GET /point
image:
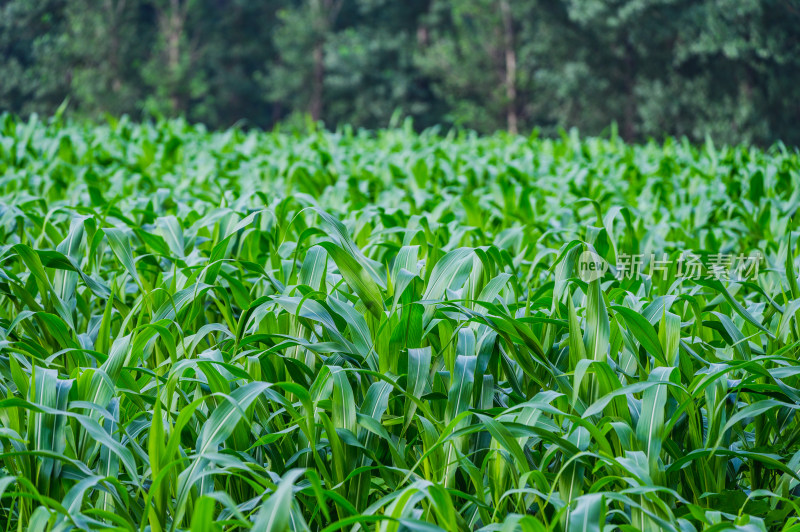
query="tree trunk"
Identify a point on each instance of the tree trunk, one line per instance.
(323, 16)
(115, 13)
(174, 51)
(510, 67)
(629, 125)
(318, 79)
(172, 25)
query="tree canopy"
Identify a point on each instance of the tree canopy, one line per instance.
(728, 69)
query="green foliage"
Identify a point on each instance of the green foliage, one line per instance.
(31, 68)
(241, 330)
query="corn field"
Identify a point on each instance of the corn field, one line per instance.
(394, 331)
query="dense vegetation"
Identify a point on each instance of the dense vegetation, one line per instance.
(391, 330)
(725, 68)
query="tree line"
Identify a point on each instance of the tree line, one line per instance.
(729, 69)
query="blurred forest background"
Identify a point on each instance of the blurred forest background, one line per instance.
(725, 68)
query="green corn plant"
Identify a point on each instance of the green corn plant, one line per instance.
(391, 331)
